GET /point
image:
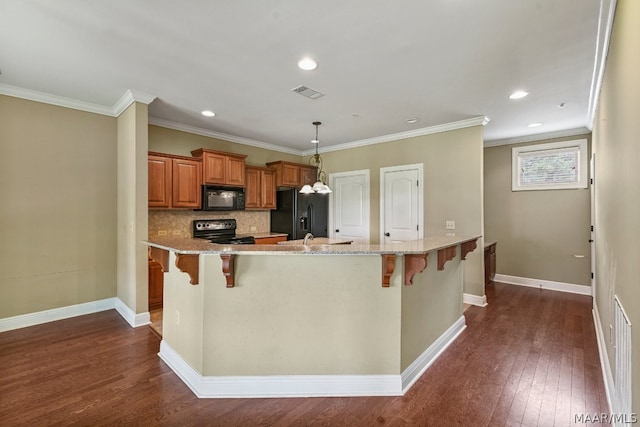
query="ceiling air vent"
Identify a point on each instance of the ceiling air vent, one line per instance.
(308, 92)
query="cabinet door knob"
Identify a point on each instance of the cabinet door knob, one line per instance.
(337, 230)
(387, 234)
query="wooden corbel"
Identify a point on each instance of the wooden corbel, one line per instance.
(446, 254)
(228, 268)
(189, 263)
(388, 263)
(161, 256)
(413, 264)
(467, 247)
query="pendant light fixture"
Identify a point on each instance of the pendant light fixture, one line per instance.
(320, 185)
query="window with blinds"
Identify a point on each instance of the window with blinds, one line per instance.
(550, 166)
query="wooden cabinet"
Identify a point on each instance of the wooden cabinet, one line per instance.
(186, 183)
(261, 188)
(271, 240)
(308, 175)
(160, 172)
(294, 175)
(156, 283)
(174, 181)
(221, 168)
(489, 261)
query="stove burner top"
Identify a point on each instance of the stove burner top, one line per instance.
(220, 231)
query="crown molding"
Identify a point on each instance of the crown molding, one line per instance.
(461, 124)
(537, 137)
(607, 12)
(129, 97)
(219, 135)
(60, 101)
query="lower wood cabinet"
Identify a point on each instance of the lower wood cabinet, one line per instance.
(156, 283)
(271, 240)
(489, 262)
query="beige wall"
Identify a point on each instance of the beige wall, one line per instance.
(452, 187)
(617, 197)
(538, 232)
(58, 216)
(164, 140)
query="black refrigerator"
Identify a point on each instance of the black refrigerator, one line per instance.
(298, 214)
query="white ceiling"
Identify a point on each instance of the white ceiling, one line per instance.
(379, 63)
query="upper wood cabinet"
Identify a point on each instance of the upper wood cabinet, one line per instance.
(160, 174)
(187, 180)
(261, 188)
(290, 174)
(174, 181)
(221, 168)
(308, 175)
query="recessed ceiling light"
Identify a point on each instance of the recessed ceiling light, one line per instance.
(412, 120)
(208, 113)
(535, 125)
(307, 64)
(518, 94)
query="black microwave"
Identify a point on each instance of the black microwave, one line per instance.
(216, 198)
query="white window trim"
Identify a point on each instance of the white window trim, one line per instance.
(583, 172)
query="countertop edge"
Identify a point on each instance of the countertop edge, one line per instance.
(203, 247)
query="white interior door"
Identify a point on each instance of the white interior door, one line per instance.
(401, 203)
(349, 207)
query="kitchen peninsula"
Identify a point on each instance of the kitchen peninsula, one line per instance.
(315, 320)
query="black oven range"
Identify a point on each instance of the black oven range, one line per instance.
(220, 231)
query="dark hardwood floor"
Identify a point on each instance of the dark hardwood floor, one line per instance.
(529, 358)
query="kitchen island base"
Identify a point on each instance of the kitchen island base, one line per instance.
(308, 325)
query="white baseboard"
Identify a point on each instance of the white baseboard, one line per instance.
(543, 284)
(279, 385)
(420, 365)
(480, 301)
(607, 375)
(133, 319)
(37, 318)
(46, 316)
(308, 385)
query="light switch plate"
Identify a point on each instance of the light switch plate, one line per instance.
(450, 225)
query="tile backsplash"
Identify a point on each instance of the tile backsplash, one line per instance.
(179, 222)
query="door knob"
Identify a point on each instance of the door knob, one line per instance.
(387, 234)
(337, 230)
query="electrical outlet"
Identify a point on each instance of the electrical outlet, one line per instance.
(177, 316)
(253, 228)
(450, 225)
(162, 232)
(176, 232)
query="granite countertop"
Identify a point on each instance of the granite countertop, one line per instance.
(201, 246)
(317, 241)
